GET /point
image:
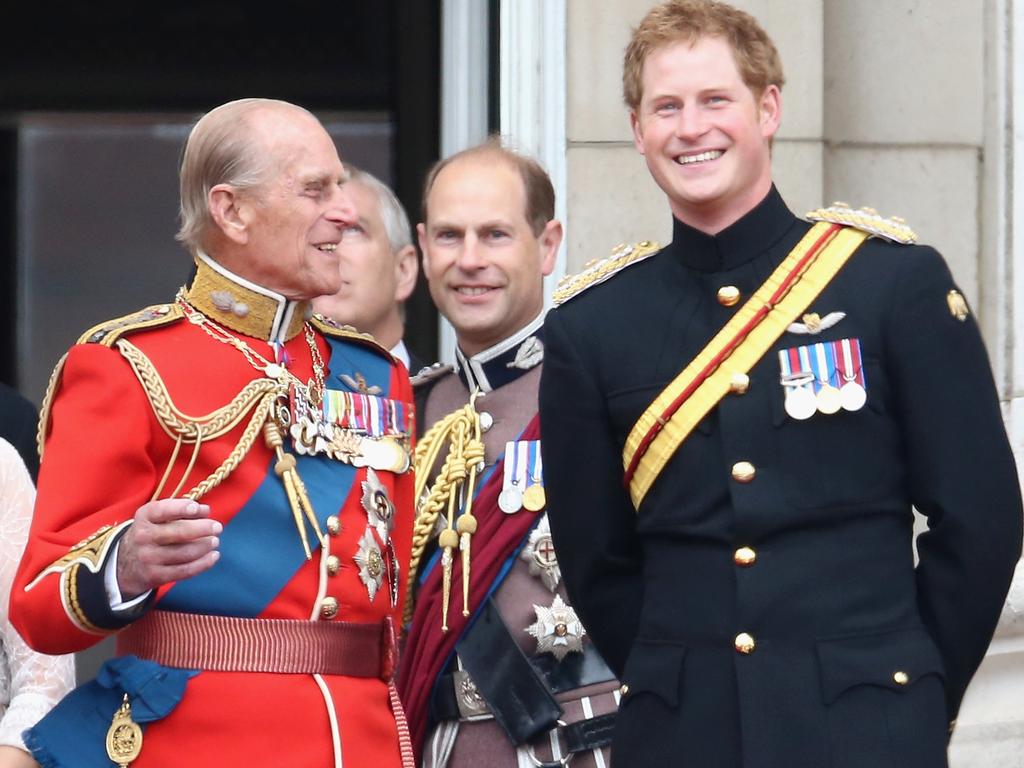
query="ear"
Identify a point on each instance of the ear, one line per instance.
(421, 237)
(406, 270)
(549, 241)
(638, 131)
(225, 209)
(770, 111)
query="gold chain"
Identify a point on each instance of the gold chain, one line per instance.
(315, 386)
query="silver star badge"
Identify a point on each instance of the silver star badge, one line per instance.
(370, 562)
(539, 553)
(380, 511)
(558, 630)
(529, 354)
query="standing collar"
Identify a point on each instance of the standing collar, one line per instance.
(243, 306)
(753, 234)
(506, 361)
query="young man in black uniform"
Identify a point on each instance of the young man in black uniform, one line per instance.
(742, 422)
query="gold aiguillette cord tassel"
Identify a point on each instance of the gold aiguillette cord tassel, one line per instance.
(474, 459)
(448, 540)
(294, 488)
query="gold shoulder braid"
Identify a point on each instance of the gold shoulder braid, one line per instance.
(47, 406)
(330, 327)
(868, 220)
(107, 333)
(460, 431)
(597, 271)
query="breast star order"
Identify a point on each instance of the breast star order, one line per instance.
(558, 630)
(539, 553)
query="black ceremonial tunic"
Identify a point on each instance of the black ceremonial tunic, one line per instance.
(860, 659)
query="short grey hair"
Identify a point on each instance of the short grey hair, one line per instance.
(222, 148)
(396, 220)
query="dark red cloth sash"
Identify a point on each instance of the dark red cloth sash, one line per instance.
(427, 648)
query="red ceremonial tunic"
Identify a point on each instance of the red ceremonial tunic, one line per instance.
(105, 455)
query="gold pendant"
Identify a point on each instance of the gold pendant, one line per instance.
(124, 737)
(534, 498)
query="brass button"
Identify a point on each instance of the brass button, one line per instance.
(486, 421)
(728, 295)
(623, 689)
(743, 471)
(744, 556)
(744, 643)
(739, 383)
(333, 525)
(329, 607)
(333, 565)
(900, 677)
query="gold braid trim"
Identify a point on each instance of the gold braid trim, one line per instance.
(257, 397)
(189, 428)
(44, 411)
(459, 431)
(252, 431)
(69, 596)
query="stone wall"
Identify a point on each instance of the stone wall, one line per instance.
(905, 106)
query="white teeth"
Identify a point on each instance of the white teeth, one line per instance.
(469, 291)
(330, 247)
(713, 154)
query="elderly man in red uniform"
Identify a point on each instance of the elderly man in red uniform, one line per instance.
(225, 487)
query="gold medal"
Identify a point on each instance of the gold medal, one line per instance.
(124, 737)
(534, 498)
(828, 399)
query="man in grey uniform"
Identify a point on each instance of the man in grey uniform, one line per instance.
(497, 669)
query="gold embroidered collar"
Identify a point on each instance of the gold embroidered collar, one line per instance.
(243, 306)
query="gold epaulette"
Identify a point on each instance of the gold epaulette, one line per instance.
(429, 373)
(868, 220)
(598, 271)
(107, 333)
(329, 327)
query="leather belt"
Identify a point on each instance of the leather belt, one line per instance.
(229, 644)
(500, 681)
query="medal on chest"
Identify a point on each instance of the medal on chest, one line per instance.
(822, 378)
(558, 630)
(539, 554)
(377, 561)
(523, 481)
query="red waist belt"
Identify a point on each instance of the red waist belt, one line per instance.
(228, 644)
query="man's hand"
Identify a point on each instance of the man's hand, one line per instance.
(12, 757)
(170, 540)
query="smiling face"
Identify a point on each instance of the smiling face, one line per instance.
(286, 231)
(704, 135)
(484, 264)
(374, 279)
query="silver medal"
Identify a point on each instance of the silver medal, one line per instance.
(800, 403)
(852, 396)
(510, 500)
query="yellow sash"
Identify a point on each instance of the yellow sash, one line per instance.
(677, 410)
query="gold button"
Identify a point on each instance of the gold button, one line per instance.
(900, 677)
(739, 383)
(333, 564)
(743, 471)
(623, 689)
(333, 525)
(329, 607)
(744, 556)
(728, 295)
(744, 643)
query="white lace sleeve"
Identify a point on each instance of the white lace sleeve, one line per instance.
(30, 683)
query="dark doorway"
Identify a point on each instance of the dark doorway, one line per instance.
(350, 62)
